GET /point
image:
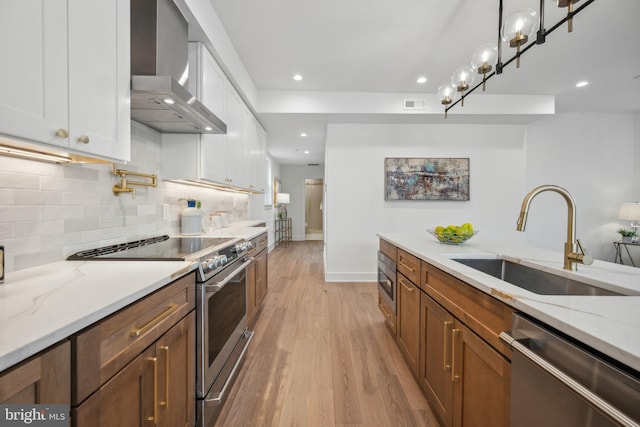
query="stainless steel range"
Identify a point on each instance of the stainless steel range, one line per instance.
(222, 337)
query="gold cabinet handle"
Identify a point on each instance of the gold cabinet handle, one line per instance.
(62, 133)
(84, 139)
(167, 372)
(408, 267)
(151, 323)
(454, 334)
(444, 345)
(404, 285)
(384, 311)
(153, 361)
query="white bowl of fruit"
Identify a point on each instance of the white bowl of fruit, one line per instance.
(453, 234)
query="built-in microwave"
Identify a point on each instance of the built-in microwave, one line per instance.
(387, 279)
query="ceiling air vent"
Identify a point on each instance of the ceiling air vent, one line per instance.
(313, 164)
(414, 104)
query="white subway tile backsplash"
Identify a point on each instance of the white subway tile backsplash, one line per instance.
(19, 213)
(19, 180)
(38, 228)
(80, 224)
(6, 197)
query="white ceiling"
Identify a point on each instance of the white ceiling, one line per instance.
(383, 46)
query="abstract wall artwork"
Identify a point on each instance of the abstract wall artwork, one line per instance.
(426, 179)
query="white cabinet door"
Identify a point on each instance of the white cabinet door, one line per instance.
(99, 70)
(207, 80)
(33, 75)
(209, 83)
(69, 70)
(235, 170)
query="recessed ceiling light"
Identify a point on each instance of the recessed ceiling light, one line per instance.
(303, 134)
(168, 101)
(582, 83)
(306, 151)
(297, 77)
(422, 79)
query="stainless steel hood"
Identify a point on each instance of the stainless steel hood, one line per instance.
(160, 70)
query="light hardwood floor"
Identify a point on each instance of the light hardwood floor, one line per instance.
(321, 355)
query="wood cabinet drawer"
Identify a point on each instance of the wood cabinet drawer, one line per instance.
(409, 265)
(389, 315)
(485, 315)
(103, 349)
(388, 249)
(259, 243)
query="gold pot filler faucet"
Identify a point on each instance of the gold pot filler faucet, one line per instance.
(571, 257)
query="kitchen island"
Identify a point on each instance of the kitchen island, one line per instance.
(609, 324)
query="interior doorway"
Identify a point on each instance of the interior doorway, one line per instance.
(313, 191)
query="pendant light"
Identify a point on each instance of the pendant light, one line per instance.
(483, 60)
(447, 94)
(462, 78)
(517, 29)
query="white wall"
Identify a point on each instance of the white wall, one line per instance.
(594, 157)
(355, 205)
(292, 178)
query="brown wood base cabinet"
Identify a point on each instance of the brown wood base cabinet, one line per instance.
(257, 274)
(465, 380)
(447, 331)
(44, 378)
(408, 333)
(137, 366)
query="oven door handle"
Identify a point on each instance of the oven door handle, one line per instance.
(573, 385)
(217, 287)
(215, 399)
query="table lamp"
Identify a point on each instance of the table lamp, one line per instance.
(631, 212)
(282, 199)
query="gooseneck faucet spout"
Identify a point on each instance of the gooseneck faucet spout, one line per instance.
(571, 257)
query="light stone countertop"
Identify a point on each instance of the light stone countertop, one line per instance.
(610, 324)
(43, 305)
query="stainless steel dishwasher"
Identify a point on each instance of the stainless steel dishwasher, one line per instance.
(557, 382)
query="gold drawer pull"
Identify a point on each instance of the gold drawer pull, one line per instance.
(151, 323)
(384, 311)
(408, 267)
(444, 345)
(454, 334)
(167, 372)
(153, 361)
(406, 287)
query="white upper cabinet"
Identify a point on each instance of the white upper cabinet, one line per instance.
(68, 80)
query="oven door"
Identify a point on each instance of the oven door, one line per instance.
(387, 279)
(221, 321)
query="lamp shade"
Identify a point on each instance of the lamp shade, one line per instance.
(282, 198)
(630, 211)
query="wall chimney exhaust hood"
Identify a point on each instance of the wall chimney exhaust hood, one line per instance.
(160, 69)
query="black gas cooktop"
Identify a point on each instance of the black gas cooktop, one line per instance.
(159, 248)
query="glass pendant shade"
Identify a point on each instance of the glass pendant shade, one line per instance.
(483, 60)
(462, 78)
(447, 94)
(518, 27)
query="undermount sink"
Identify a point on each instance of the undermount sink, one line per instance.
(532, 279)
